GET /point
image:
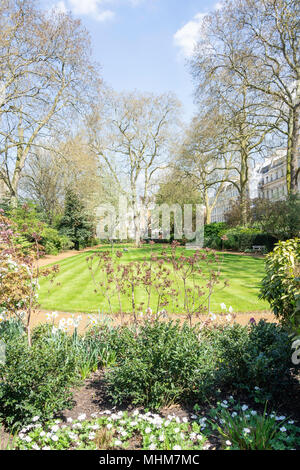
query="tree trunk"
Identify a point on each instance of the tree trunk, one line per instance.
(244, 188)
(293, 145)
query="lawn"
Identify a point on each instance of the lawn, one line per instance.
(74, 289)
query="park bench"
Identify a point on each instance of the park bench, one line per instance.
(259, 248)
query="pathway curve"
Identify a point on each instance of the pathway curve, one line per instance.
(50, 259)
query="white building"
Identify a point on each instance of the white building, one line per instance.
(272, 183)
(225, 199)
(266, 181)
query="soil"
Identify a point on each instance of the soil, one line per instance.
(242, 318)
(50, 259)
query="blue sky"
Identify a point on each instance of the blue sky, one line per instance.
(143, 44)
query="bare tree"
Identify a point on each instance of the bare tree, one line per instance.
(132, 138)
(202, 159)
(46, 72)
(257, 43)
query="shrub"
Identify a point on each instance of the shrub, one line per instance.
(240, 238)
(281, 285)
(252, 356)
(29, 223)
(34, 381)
(163, 363)
(213, 233)
(214, 229)
(53, 242)
(237, 238)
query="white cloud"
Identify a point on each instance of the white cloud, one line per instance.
(93, 8)
(187, 37)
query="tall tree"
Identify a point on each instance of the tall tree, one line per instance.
(133, 138)
(256, 42)
(46, 73)
(202, 159)
(75, 222)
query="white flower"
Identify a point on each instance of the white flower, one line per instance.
(77, 321)
(35, 447)
(246, 430)
(54, 438)
(27, 439)
(223, 306)
(118, 443)
(95, 427)
(244, 407)
(228, 318)
(82, 417)
(147, 430)
(109, 426)
(280, 418)
(55, 428)
(42, 434)
(212, 316)
(70, 420)
(77, 426)
(152, 447)
(234, 414)
(230, 309)
(283, 429)
(291, 422)
(93, 320)
(176, 448)
(254, 413)
(161, 438)
(46, 448)
(35, 418)
(92, 436)
(228, 443)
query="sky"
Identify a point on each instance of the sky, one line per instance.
(143, 44)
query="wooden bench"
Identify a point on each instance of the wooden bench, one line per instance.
(259, 248)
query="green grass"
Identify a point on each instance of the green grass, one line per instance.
(75, 292)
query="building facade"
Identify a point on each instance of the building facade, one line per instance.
(272, 183)
(267, 181)
(223, 204)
